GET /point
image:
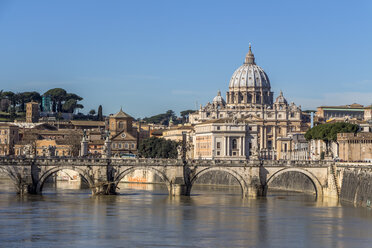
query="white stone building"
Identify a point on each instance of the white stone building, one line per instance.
(250, 98)
(225, 139)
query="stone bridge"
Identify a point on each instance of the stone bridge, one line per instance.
(103, 175)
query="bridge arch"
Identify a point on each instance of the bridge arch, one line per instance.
(242, 183)
(314, 180)
(43, 178)
(159, 173)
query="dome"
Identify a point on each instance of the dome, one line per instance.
(249, 74)
(218, 100)
(281, 99)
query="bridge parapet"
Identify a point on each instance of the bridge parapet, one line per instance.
(146, 162)
(354, 164)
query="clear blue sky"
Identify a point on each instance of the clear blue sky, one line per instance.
(151, 56)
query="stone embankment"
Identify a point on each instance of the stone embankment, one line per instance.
(357, 185)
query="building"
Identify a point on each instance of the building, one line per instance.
(8, 138)
(45, 148)
(293, 147)
(225, 139)
(250, 98)
(352, 111)
(32, 112)
(122, 135)
(175, 133)
(355, 147)
(46, 104)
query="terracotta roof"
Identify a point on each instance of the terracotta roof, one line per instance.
(351, 106)
(121, 114)
(88, 123)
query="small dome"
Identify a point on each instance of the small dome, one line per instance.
(249, 74)
(281, 99)
(218, 100)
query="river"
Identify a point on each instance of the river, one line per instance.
(143, 215)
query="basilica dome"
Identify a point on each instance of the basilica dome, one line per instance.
(249, 85)
(219, 100)
(249, 74)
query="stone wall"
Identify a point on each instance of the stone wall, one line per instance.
(292, 181)
(357, 186)
(217, 178)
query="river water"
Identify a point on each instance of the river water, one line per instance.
(143, 215)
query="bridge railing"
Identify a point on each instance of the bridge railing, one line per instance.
(80, 161)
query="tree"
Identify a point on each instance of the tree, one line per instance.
(100, 116)
(63, 101)
(69, 106)
(92, 112)
(185, 114)
(57, 96)
(158, 148)
(161, 118)
(328, 132)
(11, 97)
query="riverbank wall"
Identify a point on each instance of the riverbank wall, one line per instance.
(356, 186)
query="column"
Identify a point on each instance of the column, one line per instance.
(274, 138)
(261, 137)
(225, 147)
(243, 146)
(245, 97)
(228, 146)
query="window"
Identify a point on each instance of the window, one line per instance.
(121, 125)
(218, 153)
(126, 145)
(132, 146)
(234, 144)
(218, 128)
(218, 145)
(119, 145)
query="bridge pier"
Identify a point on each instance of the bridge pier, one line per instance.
(104, 188)
(179, 189)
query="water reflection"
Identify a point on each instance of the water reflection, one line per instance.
(145, 216)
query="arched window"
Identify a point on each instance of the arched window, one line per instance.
(121, 125)
(234, 144)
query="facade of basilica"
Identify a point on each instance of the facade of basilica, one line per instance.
(250, 100)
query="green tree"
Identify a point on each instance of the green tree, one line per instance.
(63, 101)
(57, 96)
(328, 132)
(71, 105)
(92, 112)
(100, 115)
(185, 115)
(161, 118)
(26, 97)
(158, 148)
(12, 97)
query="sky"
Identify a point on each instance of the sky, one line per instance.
(151, 56)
